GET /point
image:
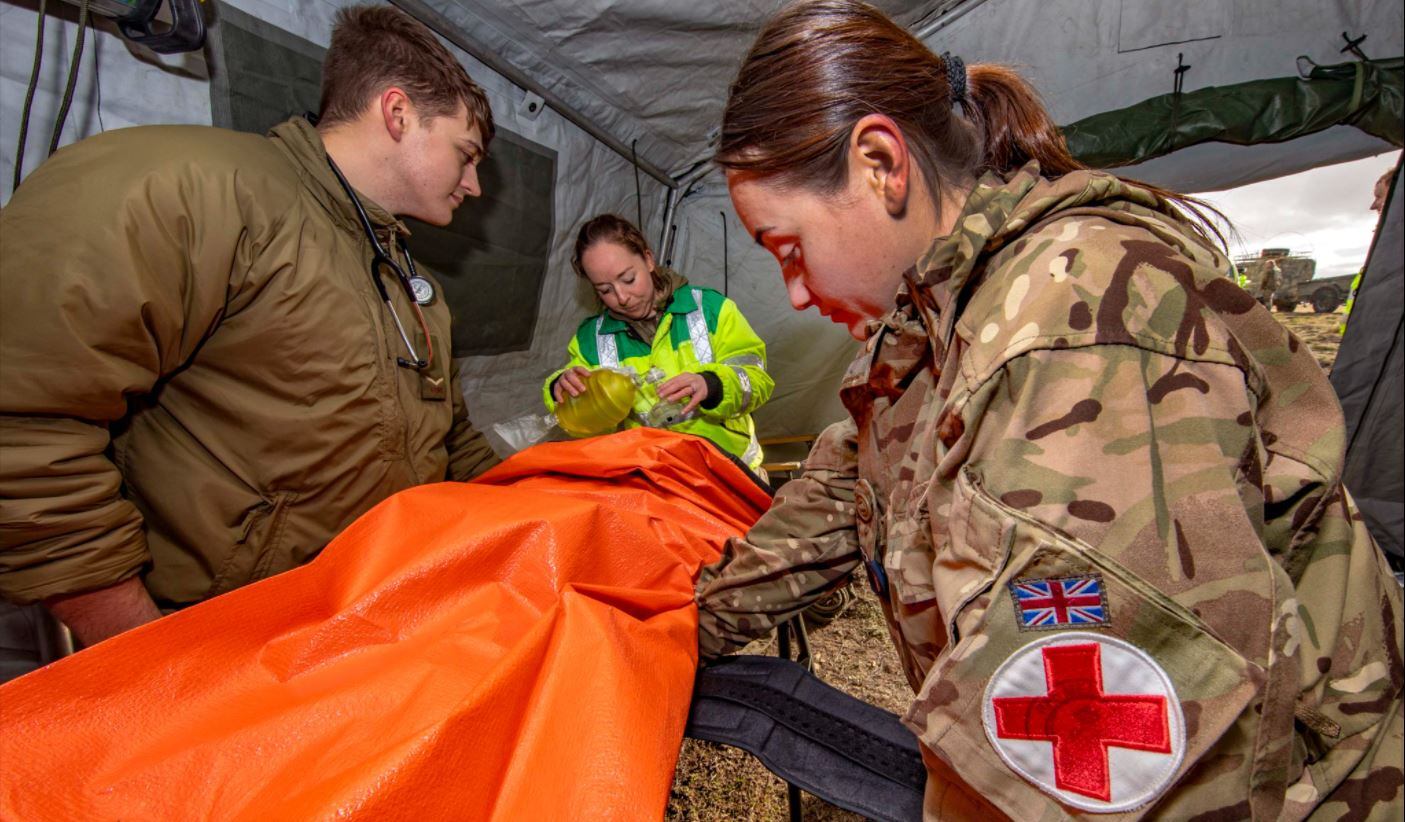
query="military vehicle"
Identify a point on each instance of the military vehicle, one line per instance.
(1297, 280)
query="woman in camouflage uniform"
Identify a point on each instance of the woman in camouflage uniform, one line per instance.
(1095, 485)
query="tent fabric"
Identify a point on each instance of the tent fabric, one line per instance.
(1364, 93)
(519, 647)
(1369, 377)
(849, 753)
(652, 71)
(1086, 57)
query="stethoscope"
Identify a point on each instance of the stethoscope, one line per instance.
(381, 260)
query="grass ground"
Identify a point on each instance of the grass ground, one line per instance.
(714, 783)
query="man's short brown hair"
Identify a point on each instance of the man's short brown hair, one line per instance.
(376, 47)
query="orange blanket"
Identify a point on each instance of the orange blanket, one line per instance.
(520, 647)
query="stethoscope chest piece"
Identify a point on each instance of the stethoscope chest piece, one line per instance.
(423, 290)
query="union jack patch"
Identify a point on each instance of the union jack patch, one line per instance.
(1044, 604)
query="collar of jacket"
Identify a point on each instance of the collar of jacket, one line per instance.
(1000, 209)
(300, 140)
(676, 299)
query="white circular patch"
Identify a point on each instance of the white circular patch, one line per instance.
(1091, 720)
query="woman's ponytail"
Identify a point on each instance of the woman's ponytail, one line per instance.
(1013, 124)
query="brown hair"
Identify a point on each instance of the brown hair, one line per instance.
(375, 47)
(818, 66)
(612, 228)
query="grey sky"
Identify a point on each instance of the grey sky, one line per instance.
(1323, 213)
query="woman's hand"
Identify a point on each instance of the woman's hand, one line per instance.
(688, 386)
(571, 381)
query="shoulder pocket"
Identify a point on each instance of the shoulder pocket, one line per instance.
(1073, 676)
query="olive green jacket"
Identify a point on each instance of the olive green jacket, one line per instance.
(197, 376)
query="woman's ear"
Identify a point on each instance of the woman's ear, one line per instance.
(649, 260)
(879, 155)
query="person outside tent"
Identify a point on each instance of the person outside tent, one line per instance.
(205, 377)
(713, 365)
(1379, 192)
(1095, 487)
(1240, 278)
(1270, 277)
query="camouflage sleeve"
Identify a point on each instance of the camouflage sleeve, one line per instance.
(1146, 478)
(799, 549)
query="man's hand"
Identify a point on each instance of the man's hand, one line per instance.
(686, 385)
(93, 616)
(571, 381)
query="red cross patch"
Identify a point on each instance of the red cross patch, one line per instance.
(1089, 719)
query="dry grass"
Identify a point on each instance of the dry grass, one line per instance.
(715, 783)
(1319, 331)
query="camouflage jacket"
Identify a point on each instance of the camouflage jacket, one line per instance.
(1083, 464)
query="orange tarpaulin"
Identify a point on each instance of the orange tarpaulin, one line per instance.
(521, 647)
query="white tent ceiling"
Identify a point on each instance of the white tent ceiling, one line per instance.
(652, 70)
(657, 71)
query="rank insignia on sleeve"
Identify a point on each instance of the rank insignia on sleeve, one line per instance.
(1044, 604)
(1089, 719)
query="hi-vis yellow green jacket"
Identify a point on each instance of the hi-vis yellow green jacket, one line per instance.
(700, 331)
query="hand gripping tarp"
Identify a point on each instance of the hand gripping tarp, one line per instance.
(520, 647)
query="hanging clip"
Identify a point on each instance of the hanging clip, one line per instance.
(1181, 68)
(1354, 46)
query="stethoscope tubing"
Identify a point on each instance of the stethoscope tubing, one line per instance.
(379, 257)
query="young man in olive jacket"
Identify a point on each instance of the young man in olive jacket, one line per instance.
(202, 381)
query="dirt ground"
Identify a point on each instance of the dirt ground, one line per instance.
(714, 783)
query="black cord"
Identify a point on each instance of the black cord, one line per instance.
(1181, 68)
(29, 98)
(73, 64)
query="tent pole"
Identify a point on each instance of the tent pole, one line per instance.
(440, 25)
(667, 217)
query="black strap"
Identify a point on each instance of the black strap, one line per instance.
(849, 753)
